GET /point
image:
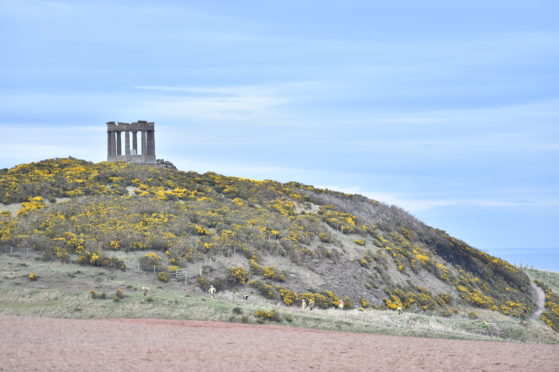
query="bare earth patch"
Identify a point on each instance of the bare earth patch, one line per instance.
(46, 344)
(540, 301)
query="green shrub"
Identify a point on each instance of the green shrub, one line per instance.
(271, 272)
(255, 267)
(97, 295)
(348, 303)
(219, 283)
(364, 303)
(268, 272)
(173, 268)
(203, 283)
(163, 276)
(237, 310)
(324, 237)
(288, 296)
(98, 259)
(237, 275)
(447, 312)
(323, 300)
(150, 259)
(262, 316)
(265, 289)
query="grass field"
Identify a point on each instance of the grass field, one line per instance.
(62, 290)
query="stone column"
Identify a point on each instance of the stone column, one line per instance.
(115, 146)
(148, 143)
(134, 143)
(144, 143)
(112, 144)
(151, 143)
(118, 143)
(127, 143)
(109, 145)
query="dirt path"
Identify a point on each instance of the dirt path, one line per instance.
(43, 344)
(540, 301)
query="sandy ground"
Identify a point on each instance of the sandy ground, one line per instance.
(44, 344)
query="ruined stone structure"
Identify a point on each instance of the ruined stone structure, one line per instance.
(130, 151)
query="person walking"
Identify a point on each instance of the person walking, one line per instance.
(212, 291)
(311, 304)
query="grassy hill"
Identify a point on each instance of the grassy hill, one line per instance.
(282, 242)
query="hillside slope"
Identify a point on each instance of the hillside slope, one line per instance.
(286, 242)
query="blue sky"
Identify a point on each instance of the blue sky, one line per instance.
(450, 111)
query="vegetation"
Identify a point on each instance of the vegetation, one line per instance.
(262, 316)
(551, 315)
(280, 237)
(163, 276)
(55, 295)
(237, 275)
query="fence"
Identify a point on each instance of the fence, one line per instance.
(193, 269)
(521, 266)
(182, 273)
(150, 268)
(19, 251)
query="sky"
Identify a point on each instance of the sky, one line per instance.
(449, 110)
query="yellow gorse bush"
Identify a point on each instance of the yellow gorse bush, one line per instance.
(163, 276)
(153, 255)
(33, 204)
(551, 314)
(173, 268)
(193, 216)
(238, 275)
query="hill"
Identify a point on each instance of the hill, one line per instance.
(284, 242)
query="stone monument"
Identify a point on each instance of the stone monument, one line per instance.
(130, 151)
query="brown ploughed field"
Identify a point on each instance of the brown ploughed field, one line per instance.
(48, 344)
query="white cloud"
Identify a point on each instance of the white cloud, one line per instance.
(34, 142)
(208, 108)
(241, 103)
(416, 203)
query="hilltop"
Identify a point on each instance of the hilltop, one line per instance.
(282, 242)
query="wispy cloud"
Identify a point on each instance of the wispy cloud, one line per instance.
(241, 103)
(33, 142)
(418, 203)
(211, 109)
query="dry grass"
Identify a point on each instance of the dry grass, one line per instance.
(62, 291)
(550, 278)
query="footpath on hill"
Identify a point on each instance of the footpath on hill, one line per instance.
(540, 300)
